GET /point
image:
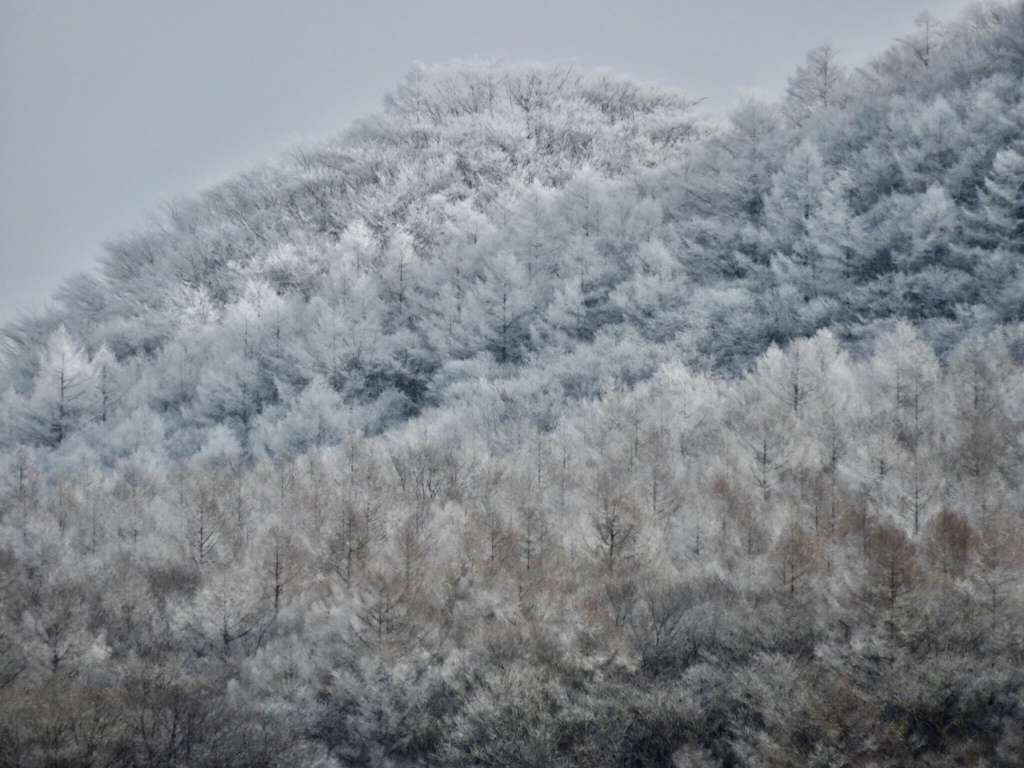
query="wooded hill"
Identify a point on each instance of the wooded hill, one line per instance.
(540, 420)
(519, 238)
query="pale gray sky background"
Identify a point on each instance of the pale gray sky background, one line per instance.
(109, 107)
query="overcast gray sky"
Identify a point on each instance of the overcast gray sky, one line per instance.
(109, 107)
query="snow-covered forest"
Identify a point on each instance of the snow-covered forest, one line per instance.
(543, 420)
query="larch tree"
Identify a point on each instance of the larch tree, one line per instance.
(929, 37)
(1001, 202)
(63, 393)
(815, 85)
(907, 376)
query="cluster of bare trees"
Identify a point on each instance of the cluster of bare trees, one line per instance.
(696, 567)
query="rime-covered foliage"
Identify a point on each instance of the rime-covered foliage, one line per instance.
(820, 563)
(486, 216)
(520, 238)
(540, 421)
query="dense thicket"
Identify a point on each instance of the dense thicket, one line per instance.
(547, 232)
(541, 421)
(821, 563)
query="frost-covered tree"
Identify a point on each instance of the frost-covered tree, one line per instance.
(62, 398)
(819, 83)
(1002, 202)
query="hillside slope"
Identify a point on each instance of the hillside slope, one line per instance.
(607, 519)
